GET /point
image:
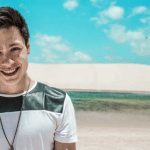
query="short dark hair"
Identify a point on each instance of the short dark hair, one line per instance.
(11, 17)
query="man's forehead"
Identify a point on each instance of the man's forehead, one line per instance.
(11, 31)
(10, 36)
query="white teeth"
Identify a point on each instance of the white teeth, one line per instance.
(8, 72)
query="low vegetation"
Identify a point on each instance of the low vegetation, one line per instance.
(110, 104)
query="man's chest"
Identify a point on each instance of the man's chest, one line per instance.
(34, 126)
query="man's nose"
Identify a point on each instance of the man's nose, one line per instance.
(6, 59)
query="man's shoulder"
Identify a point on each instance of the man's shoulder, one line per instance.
(46, 89)
(53, 97)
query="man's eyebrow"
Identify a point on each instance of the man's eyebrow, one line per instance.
(13, 44)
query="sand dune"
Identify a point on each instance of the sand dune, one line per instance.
(98, 77)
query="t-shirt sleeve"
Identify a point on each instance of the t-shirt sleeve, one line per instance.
(66, 128)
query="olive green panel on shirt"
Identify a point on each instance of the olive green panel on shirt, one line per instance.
(42, 97)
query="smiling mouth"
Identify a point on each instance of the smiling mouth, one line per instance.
(10, 73)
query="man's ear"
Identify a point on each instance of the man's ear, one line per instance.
(28, 47)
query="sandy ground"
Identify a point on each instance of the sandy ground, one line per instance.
(113, 131)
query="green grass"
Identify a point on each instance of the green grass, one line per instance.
(110, 104)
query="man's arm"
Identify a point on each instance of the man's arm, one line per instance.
(64, 146)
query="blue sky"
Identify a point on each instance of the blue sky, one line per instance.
(87, 31)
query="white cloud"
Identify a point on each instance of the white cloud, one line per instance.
(138, 10)
(120, 35)
(142, 48)
(116, 59)
(139, 44)
(61, 47)
(145, 20)
(112, 58)
(112, 13)
(36, 58)
(56, 50)
(115, 13)
(96, 3)
(52, 42)
(43, 39)
(80, 57)
(52, 48)
(24, 7)
(70, 4)
(49, 56)
(113, 3)
(101, 20)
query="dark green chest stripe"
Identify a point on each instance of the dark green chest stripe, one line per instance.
(42, 97)
(10, 104)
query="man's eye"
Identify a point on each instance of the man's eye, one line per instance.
(15, 49)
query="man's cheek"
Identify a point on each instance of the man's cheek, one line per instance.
(23, 56)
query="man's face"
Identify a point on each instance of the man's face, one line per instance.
(13, 56)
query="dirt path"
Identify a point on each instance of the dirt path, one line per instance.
(113, 131)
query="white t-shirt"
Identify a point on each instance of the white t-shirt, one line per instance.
(48, 115)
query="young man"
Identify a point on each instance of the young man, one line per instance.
(33, 116)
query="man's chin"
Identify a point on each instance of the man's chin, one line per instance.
(11, 82)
